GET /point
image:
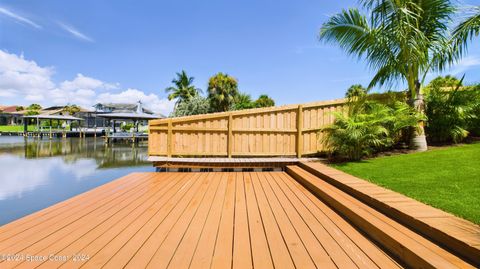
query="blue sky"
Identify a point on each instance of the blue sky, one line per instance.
(88, 51)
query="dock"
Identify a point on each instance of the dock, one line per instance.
(296, 218)
(56, 133)
(125, 136)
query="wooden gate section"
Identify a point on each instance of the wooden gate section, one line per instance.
(291, 130)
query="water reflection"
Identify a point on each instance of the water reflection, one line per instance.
(36, 173)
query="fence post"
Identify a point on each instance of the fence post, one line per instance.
(169, 139)
(230, 135)
(299, 131)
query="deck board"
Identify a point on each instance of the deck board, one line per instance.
(193, 220)
(453, 233)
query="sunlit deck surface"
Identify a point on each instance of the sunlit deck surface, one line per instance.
(291, 219)
(195, 220)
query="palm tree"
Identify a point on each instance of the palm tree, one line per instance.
(222, 92)
(401, 41)
(264, 101)
(446, 81)
(355, 90)
(183, 89)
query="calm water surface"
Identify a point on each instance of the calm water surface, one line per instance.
(37, 173)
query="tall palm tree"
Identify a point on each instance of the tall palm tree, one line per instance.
(183, 88)
(401, 40)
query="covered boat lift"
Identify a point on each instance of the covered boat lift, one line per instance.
(51, 118)
(136, 117)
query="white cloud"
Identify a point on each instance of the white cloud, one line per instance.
(74, 32)
(82, 90)
(18, 18)
(23, 77)
(25, 80)
(151, 101)
(465, 64)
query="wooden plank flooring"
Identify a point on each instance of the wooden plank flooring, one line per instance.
(191, 220)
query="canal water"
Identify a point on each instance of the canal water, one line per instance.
(36, 173)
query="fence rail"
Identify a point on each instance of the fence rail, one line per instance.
(277, 131)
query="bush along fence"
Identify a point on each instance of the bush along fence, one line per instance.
(291, 130)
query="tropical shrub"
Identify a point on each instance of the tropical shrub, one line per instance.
(368, 127)
(242, 101)
(222, 91)
(34, 107)
(127, 127)
(453, 114)
(72, 109)
(193, 106)
(264, 101)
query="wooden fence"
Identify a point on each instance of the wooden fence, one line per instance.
(291, 130)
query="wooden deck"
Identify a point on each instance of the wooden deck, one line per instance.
(291, 219)
(211, 162)
(192, 220)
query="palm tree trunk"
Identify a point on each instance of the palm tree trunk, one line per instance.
(418, 140)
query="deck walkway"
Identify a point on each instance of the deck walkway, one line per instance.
(192, 220)
(296, 218)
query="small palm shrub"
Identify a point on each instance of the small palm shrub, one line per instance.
(193, 106)
(368, 127)
(452, 115)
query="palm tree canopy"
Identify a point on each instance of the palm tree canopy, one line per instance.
(356, 90)
(447, 81)
(468, 28)
(222, 91)
(183, 88)
(264, 101)
(400, 40)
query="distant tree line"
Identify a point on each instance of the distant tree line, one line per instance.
(222, 95)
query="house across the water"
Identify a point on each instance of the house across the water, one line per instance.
(98, 117)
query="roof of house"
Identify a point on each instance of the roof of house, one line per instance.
(61, 108)
(123, 107)
(130, 115)
(8, 109)
(52, 117)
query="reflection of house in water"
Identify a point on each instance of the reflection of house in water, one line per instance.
(74, 149)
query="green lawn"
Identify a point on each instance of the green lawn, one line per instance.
(15, 128)
(446, 178)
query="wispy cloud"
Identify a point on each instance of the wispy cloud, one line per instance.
(6, 12)
(465, 64)
(74, 32)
